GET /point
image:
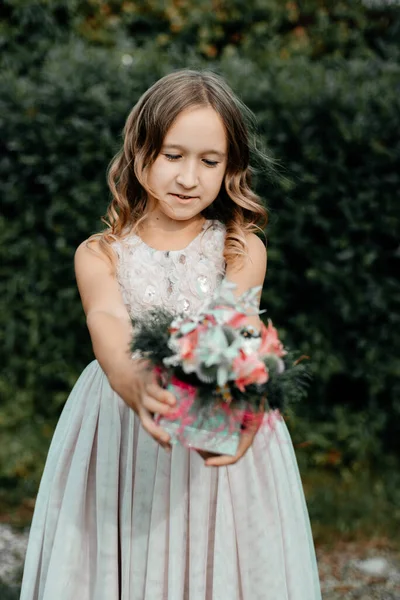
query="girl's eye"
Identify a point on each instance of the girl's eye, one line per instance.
(210, 163)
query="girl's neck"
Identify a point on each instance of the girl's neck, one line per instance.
(159, 231)
(164, 224)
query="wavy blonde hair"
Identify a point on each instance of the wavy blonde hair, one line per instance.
(236, 205)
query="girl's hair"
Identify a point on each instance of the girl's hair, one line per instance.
(236, 205)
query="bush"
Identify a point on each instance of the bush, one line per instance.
(313, 28)
(60, 129)
(333, 250)
(333, 233)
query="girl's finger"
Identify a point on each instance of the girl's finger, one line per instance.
(246, 440)
(222, 461)
(160, 394)
(154, 430)
(155, 406)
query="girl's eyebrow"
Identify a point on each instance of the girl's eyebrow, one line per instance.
(182, 149)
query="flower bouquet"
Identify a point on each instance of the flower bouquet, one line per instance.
(224, 375)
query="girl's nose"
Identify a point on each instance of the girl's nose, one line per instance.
(188, 175)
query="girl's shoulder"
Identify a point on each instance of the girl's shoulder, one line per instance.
(94, 249)
(95, 255)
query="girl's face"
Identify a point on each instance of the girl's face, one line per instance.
(188, 173)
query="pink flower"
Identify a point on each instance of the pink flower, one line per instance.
(249, 369)
(238, 320)
(231, 316)
(188, 345)
(270, 343)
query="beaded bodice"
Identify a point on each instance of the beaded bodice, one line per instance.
(177, 280)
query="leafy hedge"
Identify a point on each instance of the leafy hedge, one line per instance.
(331, 285)
(334, 253)
(312, 28)
(334, 126)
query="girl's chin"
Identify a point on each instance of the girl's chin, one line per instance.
(176, 209)
(182, 210)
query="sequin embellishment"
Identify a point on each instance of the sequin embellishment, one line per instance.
(203, 283)
(149, 293)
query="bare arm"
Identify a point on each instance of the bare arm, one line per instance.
(106, 315)
(111, 331)
(251, 273)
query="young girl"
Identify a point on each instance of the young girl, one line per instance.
(121, 514)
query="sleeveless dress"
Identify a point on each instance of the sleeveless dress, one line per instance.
(117, 518)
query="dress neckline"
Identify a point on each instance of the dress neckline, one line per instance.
(203, 228)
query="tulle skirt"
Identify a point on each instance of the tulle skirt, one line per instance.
(117, 518)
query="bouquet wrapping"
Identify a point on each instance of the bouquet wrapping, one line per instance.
(224, 374)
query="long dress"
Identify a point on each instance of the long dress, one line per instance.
(118, 518)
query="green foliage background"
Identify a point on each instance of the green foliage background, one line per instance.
(324, 82)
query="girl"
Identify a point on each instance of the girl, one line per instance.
(120, 513)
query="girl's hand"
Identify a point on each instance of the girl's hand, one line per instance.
(155, 400)
(141, 392)
(246, 440)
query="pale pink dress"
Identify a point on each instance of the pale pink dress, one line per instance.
(118, 518)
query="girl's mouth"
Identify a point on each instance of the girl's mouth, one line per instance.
(183, 197)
